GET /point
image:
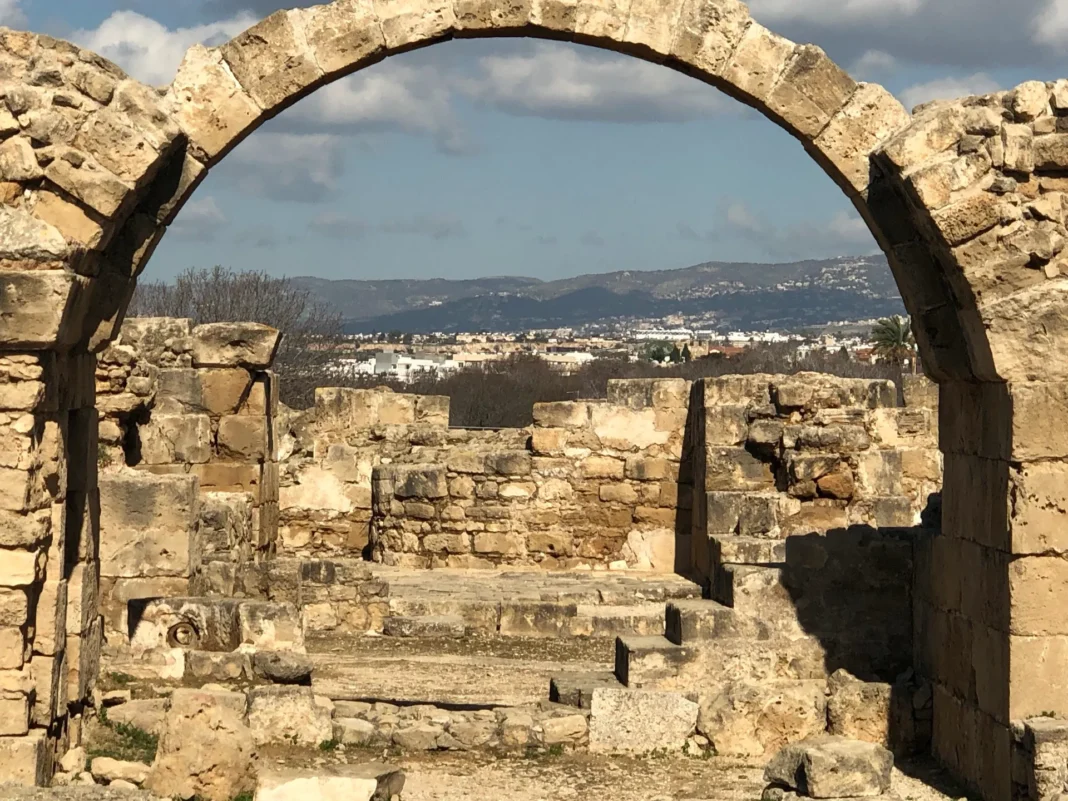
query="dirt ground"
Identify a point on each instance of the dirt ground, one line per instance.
(459, 776)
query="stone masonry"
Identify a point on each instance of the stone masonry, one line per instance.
(963, 197)
(187, 461)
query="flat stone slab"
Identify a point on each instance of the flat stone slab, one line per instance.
(339, 783)
(832, 767)
(424, 626)
(640, 721)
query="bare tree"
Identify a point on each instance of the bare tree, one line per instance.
(311, 330)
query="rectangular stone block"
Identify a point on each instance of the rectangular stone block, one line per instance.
(176, 439)
(975, 500)
(242, 438)
(1039, 493)
(148, 525)
(736, 469)
(51, 621)
(726, 424)
(26, 760)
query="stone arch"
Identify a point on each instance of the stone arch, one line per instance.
(967, 199)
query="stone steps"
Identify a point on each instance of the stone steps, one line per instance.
(647, 661)
(698, 620)
(576, 689)
(469, 672)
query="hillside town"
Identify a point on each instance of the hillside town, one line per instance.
(405, 356)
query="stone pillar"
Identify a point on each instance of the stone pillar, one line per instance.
(993, 635)
(49, 626)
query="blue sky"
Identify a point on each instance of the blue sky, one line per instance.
(517, 157)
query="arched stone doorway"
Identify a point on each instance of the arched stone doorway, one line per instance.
(965, 199)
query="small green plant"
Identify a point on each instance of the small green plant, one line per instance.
(555, 750)
(125, 742)
(329, 745)
(243, 797)
(103, 459)
(120, 679)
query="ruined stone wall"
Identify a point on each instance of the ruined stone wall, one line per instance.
(783, 455)
(327, 454)
(596, 484)
(187, 461)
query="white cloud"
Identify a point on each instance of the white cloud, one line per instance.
(948, 89)
(148, 50)
(392, 96)
(1051, 23)
(844, 233)
(833, 12)
(11, 14)
(558, 81)
(302, 168)
(873, 63)
(200, 219)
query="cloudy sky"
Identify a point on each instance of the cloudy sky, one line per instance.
(521, 157)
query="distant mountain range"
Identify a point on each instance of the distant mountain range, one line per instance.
(721, 295)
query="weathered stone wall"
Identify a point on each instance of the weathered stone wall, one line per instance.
(592, 483)
(326, 456)
(187, 460)
(49, 505)
(782, 455)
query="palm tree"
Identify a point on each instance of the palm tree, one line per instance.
(892, 339)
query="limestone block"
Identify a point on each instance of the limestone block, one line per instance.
(561, 415)
(708, 33)
(249, 345)
(26, 760)
(501, 544)
(602, 467)
(148, 525)
(726, 424)
(475, 15)
(421, 482)
(557, 543)
(281, 714)
(566, 730)
(28, 240)
(32, 305)
(651, 550)
(91, 183)
(509, 463)
(626, 429)
(639, 721)
(652, 25)
(242, 437)
(176, 438)
(870, 117)
(270, 626)
(645, 468)
(755, 720)
(811, 90)
(230, 477)
(411, 22)
(20, 568)
(51, 622)
(109, 770)
(432, 410)
(205, 748)
(209, 104)
(16, 693)
(736, 469)
(549, 441)
(14, 608)
(342, 35)
(351, 782)
(395, 409)
(832, 767)
(69, 219)
(271, 61)
(1040, 502)
(146, 714)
